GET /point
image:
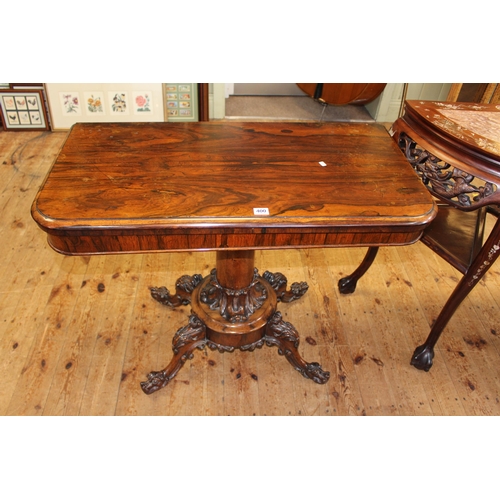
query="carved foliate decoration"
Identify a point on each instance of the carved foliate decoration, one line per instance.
(183, 290)
(194, 331)
(279, 283)
(282, 330)
(443, 179)
(236, 306)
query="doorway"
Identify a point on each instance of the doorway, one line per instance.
(267, 89)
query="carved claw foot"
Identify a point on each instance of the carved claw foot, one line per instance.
(316, 373)
(155, 382)
(185, 341)
(422, 358)
(284, 335)
(279, 282)
(183, 287)
(347, 284)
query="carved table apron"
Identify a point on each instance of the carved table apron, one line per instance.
(233, 188)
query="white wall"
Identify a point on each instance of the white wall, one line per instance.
(386, 107)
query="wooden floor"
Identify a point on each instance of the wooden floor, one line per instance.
(77, 335)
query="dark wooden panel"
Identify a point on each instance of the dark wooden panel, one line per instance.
(203, 105)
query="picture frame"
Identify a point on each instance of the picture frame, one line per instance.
(23, 109)
(180, 102)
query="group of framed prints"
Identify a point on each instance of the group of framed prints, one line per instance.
(59, 106)
(24, 107)
(98, 103)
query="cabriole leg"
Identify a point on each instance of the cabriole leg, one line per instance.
(424, 354)
(348, 284)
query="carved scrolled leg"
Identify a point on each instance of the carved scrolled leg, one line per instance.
(183, 287)
(348, 284)
(279, 283)
(284, 335)
(185, 341)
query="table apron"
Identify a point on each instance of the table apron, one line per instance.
(79, 243)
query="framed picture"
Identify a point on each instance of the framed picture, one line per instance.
(94, 103)
(118, 102)
(142, 102)
(180, 101)
(23, 109)
(71, 104)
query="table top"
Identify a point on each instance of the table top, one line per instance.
(138, 187)
(474, 125)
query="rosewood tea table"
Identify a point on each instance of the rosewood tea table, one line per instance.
(232, 188)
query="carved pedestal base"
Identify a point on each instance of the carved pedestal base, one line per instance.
(226, 319)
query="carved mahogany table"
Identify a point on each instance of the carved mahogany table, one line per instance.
(232, 188)
(455, 150)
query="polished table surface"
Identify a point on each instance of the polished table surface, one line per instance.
(155, 187)
(233, 188)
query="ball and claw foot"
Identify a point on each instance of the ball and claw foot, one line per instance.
(347, 285)
(422, 357)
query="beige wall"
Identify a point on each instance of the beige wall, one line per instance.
(217, 101)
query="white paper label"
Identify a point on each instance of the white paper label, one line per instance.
(322, 163)
(261, 211)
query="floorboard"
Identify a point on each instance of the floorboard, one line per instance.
(78, 335)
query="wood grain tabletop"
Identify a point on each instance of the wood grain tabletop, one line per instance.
(198, 185)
